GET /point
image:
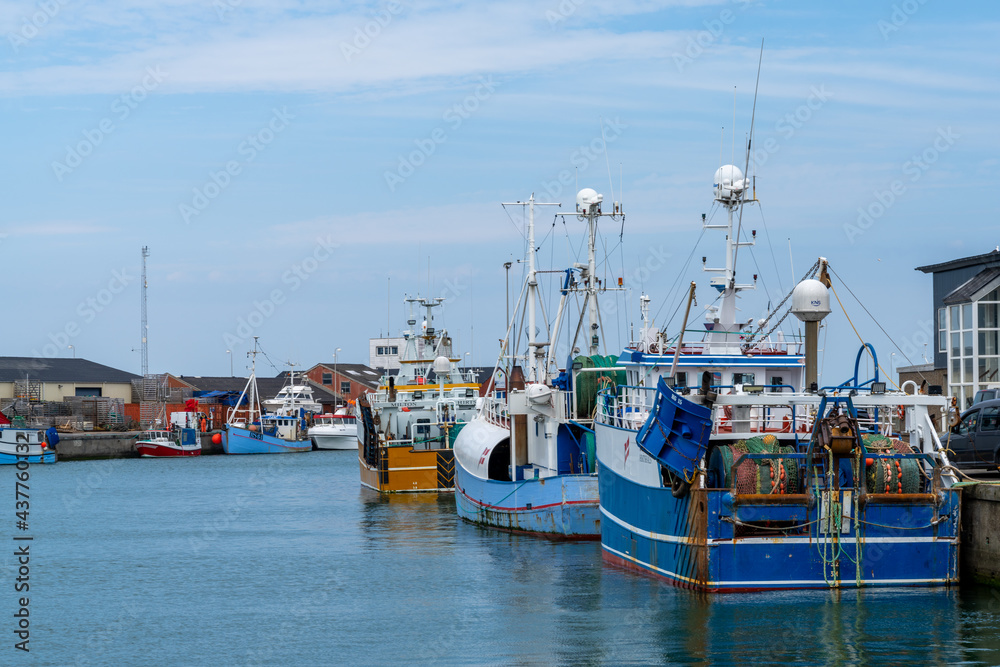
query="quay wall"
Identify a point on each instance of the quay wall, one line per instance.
(113, 445)
(980, 546)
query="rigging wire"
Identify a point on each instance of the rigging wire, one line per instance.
(680, 275)
(520, 230)
(891, 340)
(770, 246)
(753, 116)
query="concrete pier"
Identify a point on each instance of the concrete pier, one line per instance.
(73, 446)
(980, 548)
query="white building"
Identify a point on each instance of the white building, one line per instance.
(967, 322)
(384, 352)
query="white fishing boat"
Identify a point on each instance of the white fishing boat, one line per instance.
(338, 430)
(408, 425)
(526, 462)
(293, 400)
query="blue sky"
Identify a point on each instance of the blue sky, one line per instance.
(278, 160)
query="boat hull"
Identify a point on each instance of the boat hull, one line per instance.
(335, 441)
(10, 459)
(563, 506)
(236, 440)
(707, 541)
(407, 470)
(159, 450)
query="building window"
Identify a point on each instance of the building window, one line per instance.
(963, 379)
(942, 330)
(345, 387)
(327, 378)
(88, 391)
(395, 350)
(988, 333)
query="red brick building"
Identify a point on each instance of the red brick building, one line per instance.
(348, 381)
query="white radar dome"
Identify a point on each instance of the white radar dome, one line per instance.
(588, 201)
(442, 365)
(810, 301)
(728, 182)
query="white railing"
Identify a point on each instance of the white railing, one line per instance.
(760, 346)
(494, 410)
(624, 407)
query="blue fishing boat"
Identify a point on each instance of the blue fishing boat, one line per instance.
(26, 444)
(248, 431)
(725, 467)
(526, 462)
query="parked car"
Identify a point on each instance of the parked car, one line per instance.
(975, 439)
(986, 395)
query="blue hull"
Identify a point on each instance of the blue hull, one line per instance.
(702, 540)
(10, 459)
(564, 506)
(237, 440)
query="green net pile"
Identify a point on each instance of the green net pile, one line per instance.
(772, 475)
(890, 475)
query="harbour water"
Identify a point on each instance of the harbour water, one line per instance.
(267, 560)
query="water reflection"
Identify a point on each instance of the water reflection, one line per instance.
(315, 569)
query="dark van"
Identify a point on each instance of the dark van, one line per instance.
(975, 440)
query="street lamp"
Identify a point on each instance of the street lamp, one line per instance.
(230, 353)
(70, 347)
(335, 375)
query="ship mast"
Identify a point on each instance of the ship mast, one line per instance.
(730, 192)
(536, 371)
(592, 313)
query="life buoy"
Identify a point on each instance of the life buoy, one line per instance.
(786, 424)
(901, 413)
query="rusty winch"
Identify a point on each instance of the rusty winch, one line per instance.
(839, 432)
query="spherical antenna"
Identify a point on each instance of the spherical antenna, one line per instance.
(588, 201)
(810, 301)
(728, 183)
(442, 365)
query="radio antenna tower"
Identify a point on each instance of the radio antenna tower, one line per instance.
(145, 322)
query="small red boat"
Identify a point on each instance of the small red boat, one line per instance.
(182, 439)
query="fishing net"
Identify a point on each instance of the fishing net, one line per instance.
(890, 475)
(777, 475)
